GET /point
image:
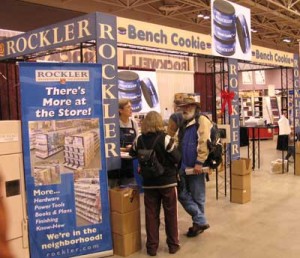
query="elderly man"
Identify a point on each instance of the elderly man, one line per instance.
(194, 133)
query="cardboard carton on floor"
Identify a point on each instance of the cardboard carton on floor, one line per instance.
(241, 182)
(123, 200)
(276, 166)
(125, 223)
(127, 244)
(241, 166)
(240, 195)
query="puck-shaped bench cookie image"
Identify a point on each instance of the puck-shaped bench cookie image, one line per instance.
(149, 92)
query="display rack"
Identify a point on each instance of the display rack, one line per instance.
(46, 174)
(80, 149)
(50, 143)
(258, 107)
(32, 139)
(274, 109)
(246, 108)
(87, 199)
(291, 104)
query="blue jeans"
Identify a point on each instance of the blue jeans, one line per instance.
(191, 195)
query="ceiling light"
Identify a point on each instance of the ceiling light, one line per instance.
(200, 15)
(254, 30)
(287, 40)
(206, 17)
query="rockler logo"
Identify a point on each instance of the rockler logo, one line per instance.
(62, 75)
(1, 49)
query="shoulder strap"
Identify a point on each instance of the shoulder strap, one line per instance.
(142, 142)
(156, 139)
(205, 116)
(152, 146)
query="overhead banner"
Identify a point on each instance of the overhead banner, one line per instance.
(272, 57)
(64, 160)
(156, 36)
(131, 32)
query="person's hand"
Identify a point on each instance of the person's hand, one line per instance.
(198, 169)
(128, 147)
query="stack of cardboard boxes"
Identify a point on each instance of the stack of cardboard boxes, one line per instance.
(241, 181)
(125, 220)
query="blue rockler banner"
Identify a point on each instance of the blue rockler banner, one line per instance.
(64, 160)
(234, 116)
(296, 94)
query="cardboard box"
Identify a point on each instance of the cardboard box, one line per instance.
(125, 223)
(123, 200)
(241, 166)
(240, 195)
(276, 166)
(10, 137)
(125, 245)
(241, 182)
(297, 164)
(297, 147)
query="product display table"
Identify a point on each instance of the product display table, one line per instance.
(256, 131)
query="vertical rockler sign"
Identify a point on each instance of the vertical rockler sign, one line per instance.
(106, 49)
(296, 94)
(234, 117)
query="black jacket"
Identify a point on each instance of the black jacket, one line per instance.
(167, 154)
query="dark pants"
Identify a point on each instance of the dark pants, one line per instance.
(153, 198)
(290, 152)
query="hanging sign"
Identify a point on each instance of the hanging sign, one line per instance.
(296, 94)
(234, 114)
(231, 30)
(64, 160)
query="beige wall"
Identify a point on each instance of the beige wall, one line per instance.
(171, 82)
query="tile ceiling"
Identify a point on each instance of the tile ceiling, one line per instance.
(274, 20)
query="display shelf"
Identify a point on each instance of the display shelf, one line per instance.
(291, 105)
(46, 174)
(274, 109)
(32, 138)
(87, 199)
(80, 149)
(258, 107)
(52, 142)
(246, 108)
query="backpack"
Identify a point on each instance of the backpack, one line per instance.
(215, 147)
(150, 167)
